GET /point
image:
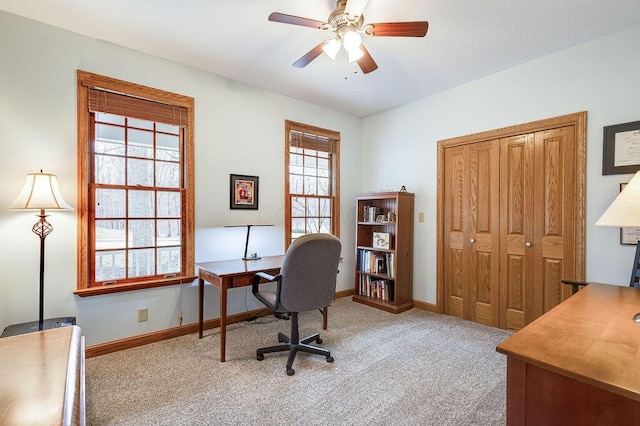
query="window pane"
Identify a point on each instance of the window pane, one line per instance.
(109, 118)
(295, 164)
(167, 147)
(169, 204)
(109, 136)
(313, 225)
(169, 232)
(110, 203)
(325, 207)
(295, 184)
(310, 166)
(325, 225)
(141, 203)
(297, 207)
(167, 128)
(110, 234)
(168, 260)
(109, 170)
(139, 172)
(167, 175)
(297, 227)
(310, 187)
(323, 187)
(313, 206)
(110, 265)
(141, 263)
(141, 233)
(140, 143)
(323, 167)
(143, 124)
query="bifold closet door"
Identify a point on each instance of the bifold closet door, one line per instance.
(471, 224)
(537, 216)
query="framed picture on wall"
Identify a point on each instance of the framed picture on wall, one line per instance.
(629, 236)
(243, 192)
(621, 149)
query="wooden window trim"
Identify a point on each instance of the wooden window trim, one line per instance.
(335, 176)
(85, 82)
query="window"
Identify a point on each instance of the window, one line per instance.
(312, 177)
(135, 186)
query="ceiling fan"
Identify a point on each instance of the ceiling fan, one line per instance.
(346, 21)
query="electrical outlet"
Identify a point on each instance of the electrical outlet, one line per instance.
(143, 314)
(421, 217)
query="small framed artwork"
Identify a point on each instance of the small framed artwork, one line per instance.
(629, 236)
(244, 192)
(621, 149)
(381, 240)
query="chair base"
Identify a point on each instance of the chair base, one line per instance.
(295, 345)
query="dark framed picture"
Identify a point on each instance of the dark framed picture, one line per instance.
(621, 153)
(244, 192)
(629, 236)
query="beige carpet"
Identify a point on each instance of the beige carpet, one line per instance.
(415, 368)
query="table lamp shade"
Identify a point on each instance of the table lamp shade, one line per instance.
(624, 211)
(40, 192)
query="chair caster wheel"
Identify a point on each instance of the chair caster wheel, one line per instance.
(319, 340)
(329, 359)
(260, 357)
(290, 371)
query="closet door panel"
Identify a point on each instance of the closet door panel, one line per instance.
(516, 229)
(484, 239)
(553, 204)
(456, 259)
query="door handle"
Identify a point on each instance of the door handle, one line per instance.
(528, 244)
(472, 240)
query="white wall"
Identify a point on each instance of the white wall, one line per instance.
(238, 129)
(600, 77)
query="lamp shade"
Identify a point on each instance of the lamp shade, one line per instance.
(40, 192)
(624, 212)
(331, 48)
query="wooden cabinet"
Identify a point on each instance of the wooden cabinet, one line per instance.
(511, 220)
(384, 250)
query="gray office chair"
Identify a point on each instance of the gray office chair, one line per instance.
(306, 282)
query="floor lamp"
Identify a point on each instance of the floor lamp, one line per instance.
(40, 192)
(624, 212)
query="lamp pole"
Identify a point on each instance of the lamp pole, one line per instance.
(42, 228)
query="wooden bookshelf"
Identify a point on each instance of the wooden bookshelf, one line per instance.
(384, 250)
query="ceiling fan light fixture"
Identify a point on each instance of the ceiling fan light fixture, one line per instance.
(331, 48)
(351, 40)
(354, 54)
(354, 8)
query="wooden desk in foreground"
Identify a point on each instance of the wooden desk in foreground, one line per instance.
(42, 378)
(579, 363)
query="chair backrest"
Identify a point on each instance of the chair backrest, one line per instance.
(635, 273)
(309, 273)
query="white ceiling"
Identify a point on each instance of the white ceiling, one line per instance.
(467, 39)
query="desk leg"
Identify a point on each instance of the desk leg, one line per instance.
(223, 318)
(200, 305)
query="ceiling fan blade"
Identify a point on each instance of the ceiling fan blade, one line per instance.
(366, 63)
(296, 20)
(398, 29)
(309, 56)
(355, 7)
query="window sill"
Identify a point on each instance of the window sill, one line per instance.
(120, 288)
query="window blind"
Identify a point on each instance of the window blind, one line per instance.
(101, 100)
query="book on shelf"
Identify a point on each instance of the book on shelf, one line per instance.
(376, 262)
(376, 288)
